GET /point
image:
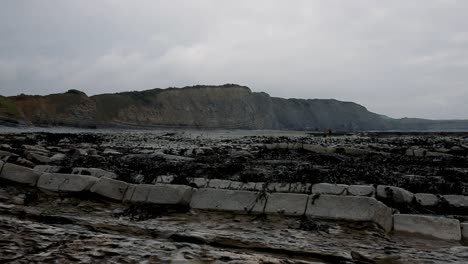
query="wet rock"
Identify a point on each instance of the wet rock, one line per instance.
(286, 204)
(56, 182)
(110, 188)
(110, 152)
(351, 208)
(361, 190)
(328, 188)
(459, 201)
(200, 182)
(19, 174)
(435, 226)
(228, 200)
(219, 184)
(395, 194)
(47, 168)
(94, 172)
(426, 199)
(170, 195)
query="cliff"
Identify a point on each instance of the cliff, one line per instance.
(228, 106)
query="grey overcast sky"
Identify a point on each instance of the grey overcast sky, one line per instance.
(396, 57)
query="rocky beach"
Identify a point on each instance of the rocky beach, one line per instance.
(410, 177)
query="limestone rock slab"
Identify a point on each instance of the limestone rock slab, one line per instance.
(228, 200)
(435, 226)
(286, 204)
(109, 188)
(351, 208)
(19, 174)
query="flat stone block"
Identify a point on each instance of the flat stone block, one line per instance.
(457, 200)
(426, 199)
(260, 186)
(435, 226)
(396, 194)
(170, 194)
(286, 204)
(56, 182)
(219, 184)
(361, 190)
(141, 193)
(19, 174)
(329, 188)
(351, 208)
(110, 188)
(228, 200)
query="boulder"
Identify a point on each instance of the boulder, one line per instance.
(219, 184)
(228, 200)
(109, 188)
(286, 204)
(395, 194)
(56, 182)
(435, 226)
(19, 174)
(328, 188)
(170, 194)
(426, 199)
(361, 190)
(350, 208)
(4, 154)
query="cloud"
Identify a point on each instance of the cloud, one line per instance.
(399, 58)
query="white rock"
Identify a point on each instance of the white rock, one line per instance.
(435, 226)
(56, 182)
(328, 188)
(228, 200)
(426, 199)
(286, 204)
(219, 184)
(260, 186)
(361, 190)
(109, 188)
(19, 174)
(457, 200)
(351, 208)
(170, 194)
(395, 194)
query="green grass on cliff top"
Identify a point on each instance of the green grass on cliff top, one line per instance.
(8, 107)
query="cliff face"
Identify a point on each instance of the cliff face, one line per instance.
(227, 106)
(72, 108)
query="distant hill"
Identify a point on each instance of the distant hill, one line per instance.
(227, 106)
